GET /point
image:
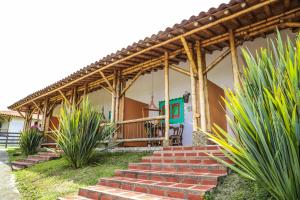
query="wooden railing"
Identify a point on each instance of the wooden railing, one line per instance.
(150, 130)
(9, 138)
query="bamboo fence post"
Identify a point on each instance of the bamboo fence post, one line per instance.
(234, 60)
(117, 95)
(167, 98)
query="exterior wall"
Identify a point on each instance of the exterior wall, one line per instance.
(16, 125)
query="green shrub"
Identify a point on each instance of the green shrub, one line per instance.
(266, 110)
(30, 140)
(80, 132)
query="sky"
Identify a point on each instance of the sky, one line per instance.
(42, 41)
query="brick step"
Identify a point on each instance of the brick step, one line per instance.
(192, 153)
(28, 160)
(48, 154)
(178, 159)
(101, 192)
(166, 189)
(189, 148)
(74, 198)
(180, 167)
(40, 157)
(190, 178)
(20, 164)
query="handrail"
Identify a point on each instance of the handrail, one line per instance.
(141, 120)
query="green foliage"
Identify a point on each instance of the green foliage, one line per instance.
(235, 187)
(80, 132)
(30, 140)
(266, 110)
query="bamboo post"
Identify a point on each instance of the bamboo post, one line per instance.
(117, 95)
(167, 99)
(234, 59)
(201, 67)
(193, 76)
(113, 98)
(45, 110)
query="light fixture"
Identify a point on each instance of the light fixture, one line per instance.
(243, 5)
(210, 18)
(170, 35)
(226, 12)
(196, 23)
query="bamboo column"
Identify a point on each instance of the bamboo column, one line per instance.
(118, 82)
(201, 67)
(234, 59)
(193, 76)
(45, 110)
(113, 98)
(167, 99)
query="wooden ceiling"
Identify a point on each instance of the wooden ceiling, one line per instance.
(248, 18)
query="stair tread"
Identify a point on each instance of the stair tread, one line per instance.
(77, 197)
(163, 184)
(21, 163)
(117, 192)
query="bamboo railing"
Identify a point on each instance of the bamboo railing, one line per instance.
(150, 130)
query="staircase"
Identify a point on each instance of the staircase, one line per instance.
(33, 159)
(173, 173)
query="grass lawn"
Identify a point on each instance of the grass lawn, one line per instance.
(56, 178)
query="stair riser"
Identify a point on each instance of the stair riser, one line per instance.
(170, 168)
(186, 154)
(190, 161)
(39, 158)
(188, 179)
(99, 195)
(155, 190)
(208, 148)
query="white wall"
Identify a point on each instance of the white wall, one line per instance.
(16, 125)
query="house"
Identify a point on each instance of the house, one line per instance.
(173, 81)
(11, 125)
(11, 121)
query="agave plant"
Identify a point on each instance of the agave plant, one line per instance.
(80, 132)
(266, 125)
(30, 140)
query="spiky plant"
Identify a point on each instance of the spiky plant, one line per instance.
(266, 124)
(80, 131)
(30, 140)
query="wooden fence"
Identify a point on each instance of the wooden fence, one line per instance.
(8, 138)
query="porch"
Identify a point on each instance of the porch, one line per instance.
(202, 53)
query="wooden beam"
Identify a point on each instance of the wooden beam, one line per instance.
(179, 69)
(51, 107)
(64, 97)
(293, 24)
(287, 4)
(107, 82)
(106, 89)
(234, 60)
(37, 106)
(216, 61)
(21, 114)
(167, 99)
(132, 81)
(86, 89)
(201, 83)
(204, 27)
(189, 54)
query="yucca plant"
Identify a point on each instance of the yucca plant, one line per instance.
(266, 125)
(80, 131)
(30, 140)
